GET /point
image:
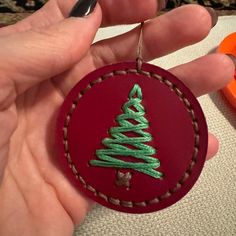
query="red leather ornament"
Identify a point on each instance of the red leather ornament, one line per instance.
(175, 122)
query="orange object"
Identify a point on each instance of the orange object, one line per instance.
(228, 46)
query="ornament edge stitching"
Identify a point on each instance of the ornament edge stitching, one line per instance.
(187, 104)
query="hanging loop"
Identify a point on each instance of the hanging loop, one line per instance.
(139, 60)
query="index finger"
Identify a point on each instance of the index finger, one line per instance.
(129, 11)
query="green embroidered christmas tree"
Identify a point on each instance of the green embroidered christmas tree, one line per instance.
(123, 145)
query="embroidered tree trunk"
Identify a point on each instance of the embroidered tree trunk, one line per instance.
(123, 145)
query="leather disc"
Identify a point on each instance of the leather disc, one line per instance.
(132, 140)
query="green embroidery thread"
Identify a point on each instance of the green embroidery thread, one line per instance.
(116, 144)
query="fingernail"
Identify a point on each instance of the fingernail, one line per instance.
(161, 4)
(214, 16)
(83, 8)
(233, 58)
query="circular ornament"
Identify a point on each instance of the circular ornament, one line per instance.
(134, 140)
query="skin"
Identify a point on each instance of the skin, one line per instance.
(41, 59)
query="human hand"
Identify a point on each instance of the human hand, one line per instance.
(41, 59)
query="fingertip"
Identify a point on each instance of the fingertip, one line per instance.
(213, 146)
(224, 69)
(199, 17)
(204, 21)
(229, 66)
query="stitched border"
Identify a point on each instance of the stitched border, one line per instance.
(187, 104)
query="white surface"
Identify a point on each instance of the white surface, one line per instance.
(210, 207)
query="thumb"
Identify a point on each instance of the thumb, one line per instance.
(27, 58)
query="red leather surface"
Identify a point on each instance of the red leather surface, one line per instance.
(171, 126)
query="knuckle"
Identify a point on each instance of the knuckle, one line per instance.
(8, 123)
(8, 93)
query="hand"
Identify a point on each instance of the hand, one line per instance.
(41, 59)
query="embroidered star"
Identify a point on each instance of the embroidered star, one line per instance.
(123, 179)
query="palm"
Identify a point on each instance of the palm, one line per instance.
(43, 193)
